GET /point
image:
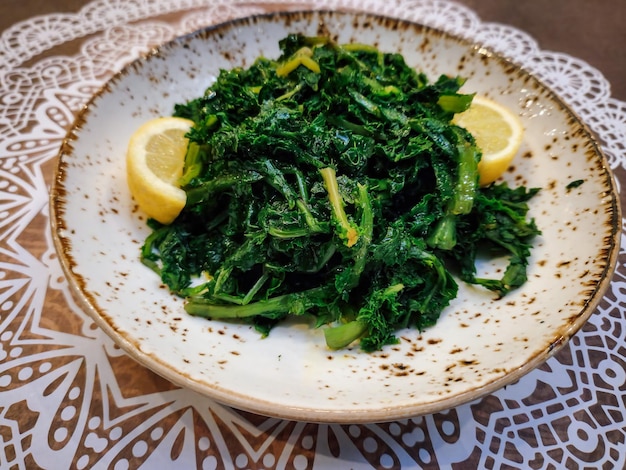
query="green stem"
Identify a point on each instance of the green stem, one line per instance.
(346, 231)
(339, 337)
(444, 235)
(210, 188)
(467, 182)
(367, 230)
(296, 304)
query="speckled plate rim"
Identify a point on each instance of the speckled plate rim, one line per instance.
(232, 398)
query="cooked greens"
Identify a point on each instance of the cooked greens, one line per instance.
(330, 182)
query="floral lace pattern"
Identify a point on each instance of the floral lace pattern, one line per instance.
(69, 395)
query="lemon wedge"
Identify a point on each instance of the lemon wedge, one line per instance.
(154, 162)
(498, 133)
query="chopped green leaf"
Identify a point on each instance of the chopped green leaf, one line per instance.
(574, 184)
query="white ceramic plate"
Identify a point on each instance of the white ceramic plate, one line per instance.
(479, 344)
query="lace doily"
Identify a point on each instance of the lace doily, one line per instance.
(68, 395)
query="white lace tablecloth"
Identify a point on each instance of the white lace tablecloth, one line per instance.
(69, 398)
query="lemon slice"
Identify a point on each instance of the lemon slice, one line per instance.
(498, 133)
(154, 162)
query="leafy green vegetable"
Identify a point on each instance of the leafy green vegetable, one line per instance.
(330, 182)
(574, 184)
(498, 225)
